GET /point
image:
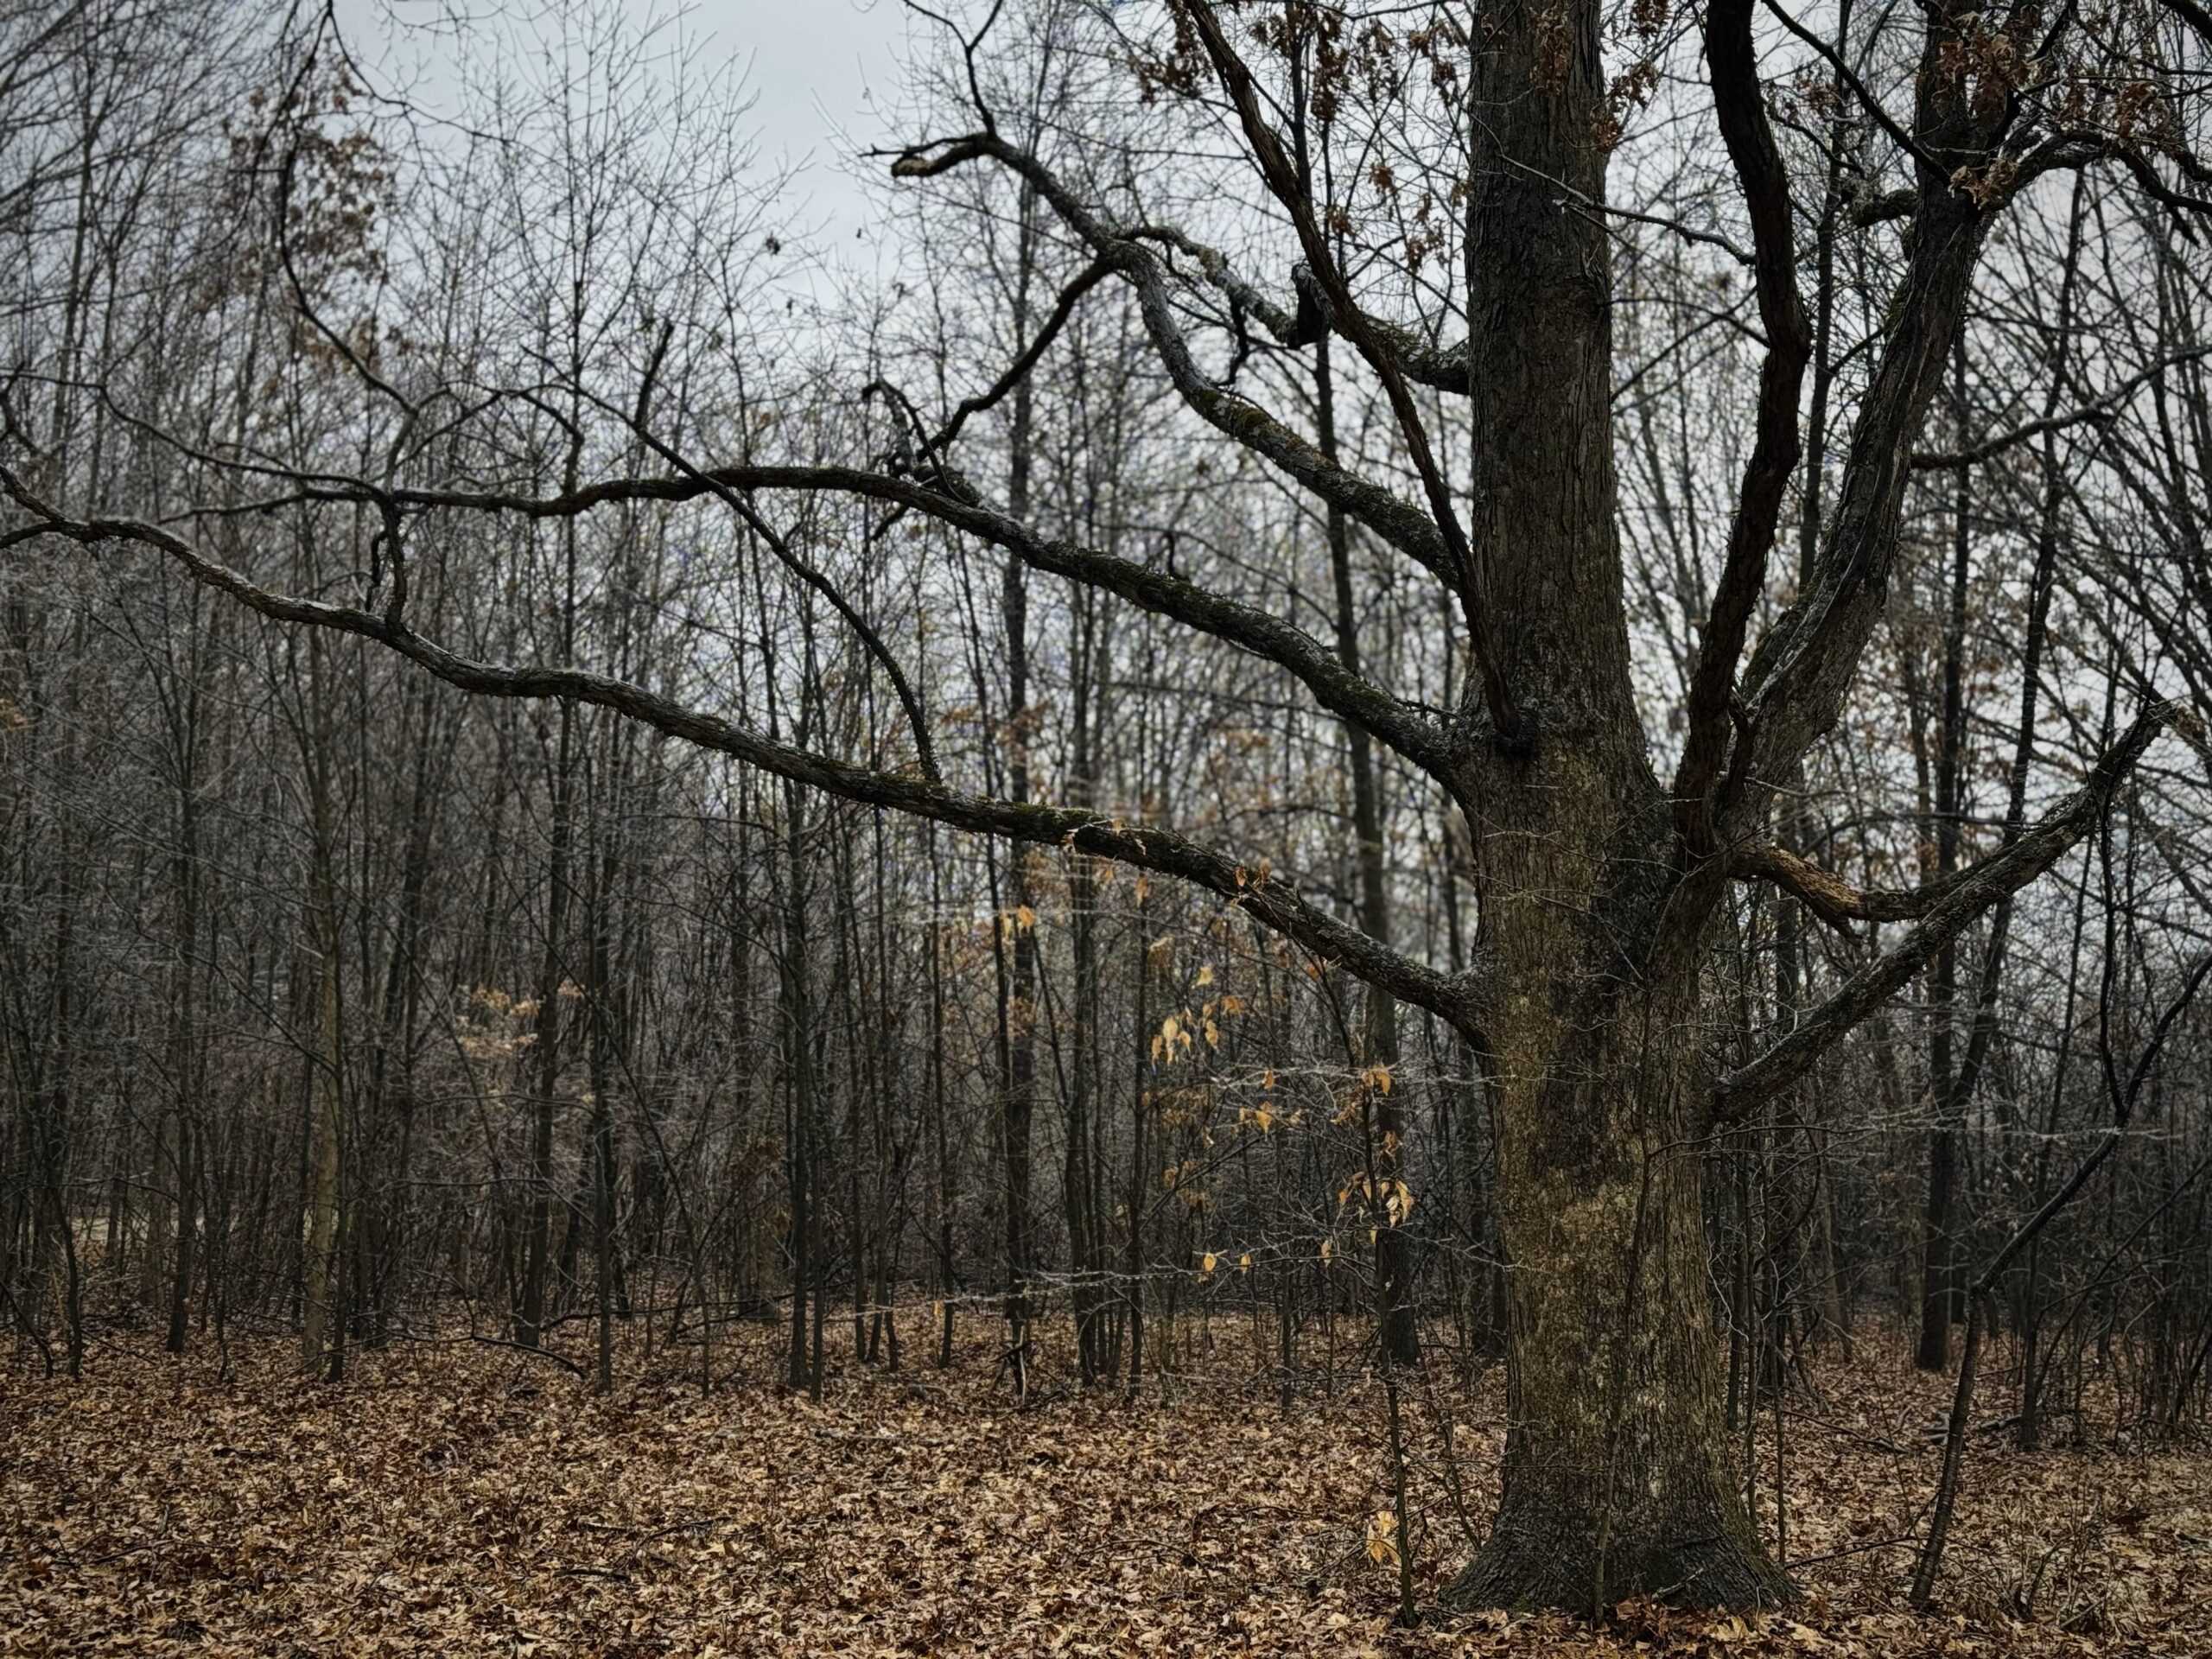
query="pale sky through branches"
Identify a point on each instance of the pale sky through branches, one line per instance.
(819, 75)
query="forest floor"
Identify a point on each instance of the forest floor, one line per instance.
(463, 1499)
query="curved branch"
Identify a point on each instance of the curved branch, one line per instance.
(1403, 526)
(1090, 276)
(1957, 905)
(1351, 696)
(1269, 897)
(909, 700)
(1831, 898)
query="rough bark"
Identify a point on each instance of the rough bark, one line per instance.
(1618, 1478)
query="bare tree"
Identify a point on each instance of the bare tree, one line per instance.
(1481, 471)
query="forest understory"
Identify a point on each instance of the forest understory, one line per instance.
(455, 1497)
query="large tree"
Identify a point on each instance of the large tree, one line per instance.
(1602, 869)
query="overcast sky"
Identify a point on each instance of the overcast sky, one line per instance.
(818, 71)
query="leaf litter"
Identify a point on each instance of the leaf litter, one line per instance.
(469, 1499)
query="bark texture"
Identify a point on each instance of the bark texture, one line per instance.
(1619, 1479)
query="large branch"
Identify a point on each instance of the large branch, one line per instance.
(1831, 898)
(1353, 323)
(1739, 102)
(1960, 902)
(1802, 670)
(1389, 720)
(1403, 526)
(1269, 899)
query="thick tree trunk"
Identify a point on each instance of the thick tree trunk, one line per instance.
(1618, 1476)
(1619, 1479)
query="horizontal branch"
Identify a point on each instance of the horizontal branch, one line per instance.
(1831, 898)
(1392, 722)
(1788, 1060)
(1266, 897)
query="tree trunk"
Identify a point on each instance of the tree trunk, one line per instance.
(1618, 1478)
(323, 1152)
(529, 1314)
(795, 994)
(1018, 926)
(1378, 1035)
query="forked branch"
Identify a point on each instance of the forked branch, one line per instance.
(1956, 907)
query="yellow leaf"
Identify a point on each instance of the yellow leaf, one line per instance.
(1264, 1118)
(1205, 973)
(1245, 1262)
(1207, 1265)
(1383, 1538)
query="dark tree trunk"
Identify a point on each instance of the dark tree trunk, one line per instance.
(530, 1313)
(1619, 1477)
(1017, 926)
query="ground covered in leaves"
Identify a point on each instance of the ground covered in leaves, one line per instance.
(460, 1498)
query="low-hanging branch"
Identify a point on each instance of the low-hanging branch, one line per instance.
(1253, 887)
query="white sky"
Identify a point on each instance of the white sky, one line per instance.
(819, 73)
